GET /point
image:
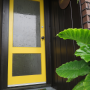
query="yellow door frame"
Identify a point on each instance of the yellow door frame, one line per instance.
(16, 80)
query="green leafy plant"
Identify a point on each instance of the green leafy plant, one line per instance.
(77, 1)
(73, 69)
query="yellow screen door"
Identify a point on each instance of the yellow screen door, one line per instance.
(26, 51)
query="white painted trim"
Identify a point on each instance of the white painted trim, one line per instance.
(26, 84)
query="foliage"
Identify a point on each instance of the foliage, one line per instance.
(84, 52)
(73, 69)
(87, 82)
(77, 1)
(79, 86)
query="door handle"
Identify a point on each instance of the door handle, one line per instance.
(42, 37)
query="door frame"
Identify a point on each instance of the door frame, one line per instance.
(4, 46)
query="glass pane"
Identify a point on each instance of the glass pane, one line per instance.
(26, 28)
(26, 64)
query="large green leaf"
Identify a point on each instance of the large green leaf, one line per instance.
(69, 79)
(79, 86)
(80, 44)
(73, 69)
(84, 52)
(87, 82)
(80, 35)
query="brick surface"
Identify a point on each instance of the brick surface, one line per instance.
(85, 12)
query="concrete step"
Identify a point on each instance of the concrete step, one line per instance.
(44, 88)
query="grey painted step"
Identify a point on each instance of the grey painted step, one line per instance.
(47, 88)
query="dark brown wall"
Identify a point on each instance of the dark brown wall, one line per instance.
(63, 50)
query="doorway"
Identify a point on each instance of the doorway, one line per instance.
(26, 49)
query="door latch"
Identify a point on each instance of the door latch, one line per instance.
(42, 37)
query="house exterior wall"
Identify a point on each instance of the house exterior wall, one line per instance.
(63, 50)
(85, 6)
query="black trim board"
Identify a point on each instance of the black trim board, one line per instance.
(4, 44)
(0, 35)
(48, 41)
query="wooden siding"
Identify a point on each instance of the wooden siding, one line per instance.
(63, 50)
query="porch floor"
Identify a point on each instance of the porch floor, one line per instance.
(47, 88)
